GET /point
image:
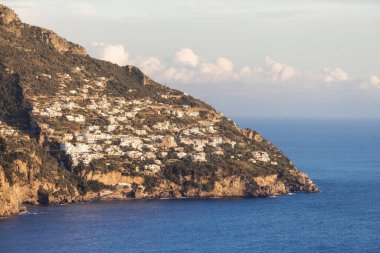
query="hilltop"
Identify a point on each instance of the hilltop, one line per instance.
(74, 128)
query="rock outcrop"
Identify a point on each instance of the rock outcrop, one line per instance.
(9, 201)
(74, 128)
(59, 43)
(8, 16)
(12, 23)
(251, 134)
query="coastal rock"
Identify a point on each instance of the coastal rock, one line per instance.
(177, 194)
(9, 202)
(270, 186)
(22, 209)
(164, 195)
(305, 183)
(137, 195)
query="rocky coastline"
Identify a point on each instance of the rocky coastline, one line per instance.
(74, 128)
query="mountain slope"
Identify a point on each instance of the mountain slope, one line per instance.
(75, 128)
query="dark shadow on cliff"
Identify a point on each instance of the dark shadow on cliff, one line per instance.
(14, 109)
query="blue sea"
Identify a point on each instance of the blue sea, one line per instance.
(341, 156)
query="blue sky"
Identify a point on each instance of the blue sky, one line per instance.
(268, 58)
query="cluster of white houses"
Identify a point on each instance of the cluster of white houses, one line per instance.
(86, 138)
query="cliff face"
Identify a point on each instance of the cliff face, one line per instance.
(28, 174)
(9, 202)
(75, 128)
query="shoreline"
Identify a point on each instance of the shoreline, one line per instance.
(26, 206)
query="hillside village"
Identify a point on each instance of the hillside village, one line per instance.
(91, 126)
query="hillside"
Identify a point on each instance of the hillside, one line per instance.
(74, 128)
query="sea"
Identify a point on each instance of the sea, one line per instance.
(341, 156)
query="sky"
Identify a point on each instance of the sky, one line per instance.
(247, 58)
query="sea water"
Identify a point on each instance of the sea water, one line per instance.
(341, 156)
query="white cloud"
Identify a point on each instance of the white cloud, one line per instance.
(150, 65)
(372, 83)
(224, 64)
(187, 67)
(186, 57)
(245, 72)
(333, 75)
(112, 53)
(279, 71)
(375, 81)
(221, 69)
(179, 74)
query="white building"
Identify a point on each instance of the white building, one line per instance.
(134, 154)
(131, 142)
(181, 155)
(261, 156)
(199, 157)
(153, 168)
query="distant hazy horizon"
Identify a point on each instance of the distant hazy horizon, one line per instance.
(272, 59)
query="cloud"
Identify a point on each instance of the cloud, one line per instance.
(221, 69)
(186, 57)
(179, 74)
(245, 73)
(187, 67)
(372, 83)
(112, 53)
(279, 71)
(333, 75)
(375, 81)
(224, 64)
(151, 65)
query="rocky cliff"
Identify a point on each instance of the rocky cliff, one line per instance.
(74, 128)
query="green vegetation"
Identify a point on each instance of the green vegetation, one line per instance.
(96, 186)
(13, 107)
(177, 171)
(150, 182)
